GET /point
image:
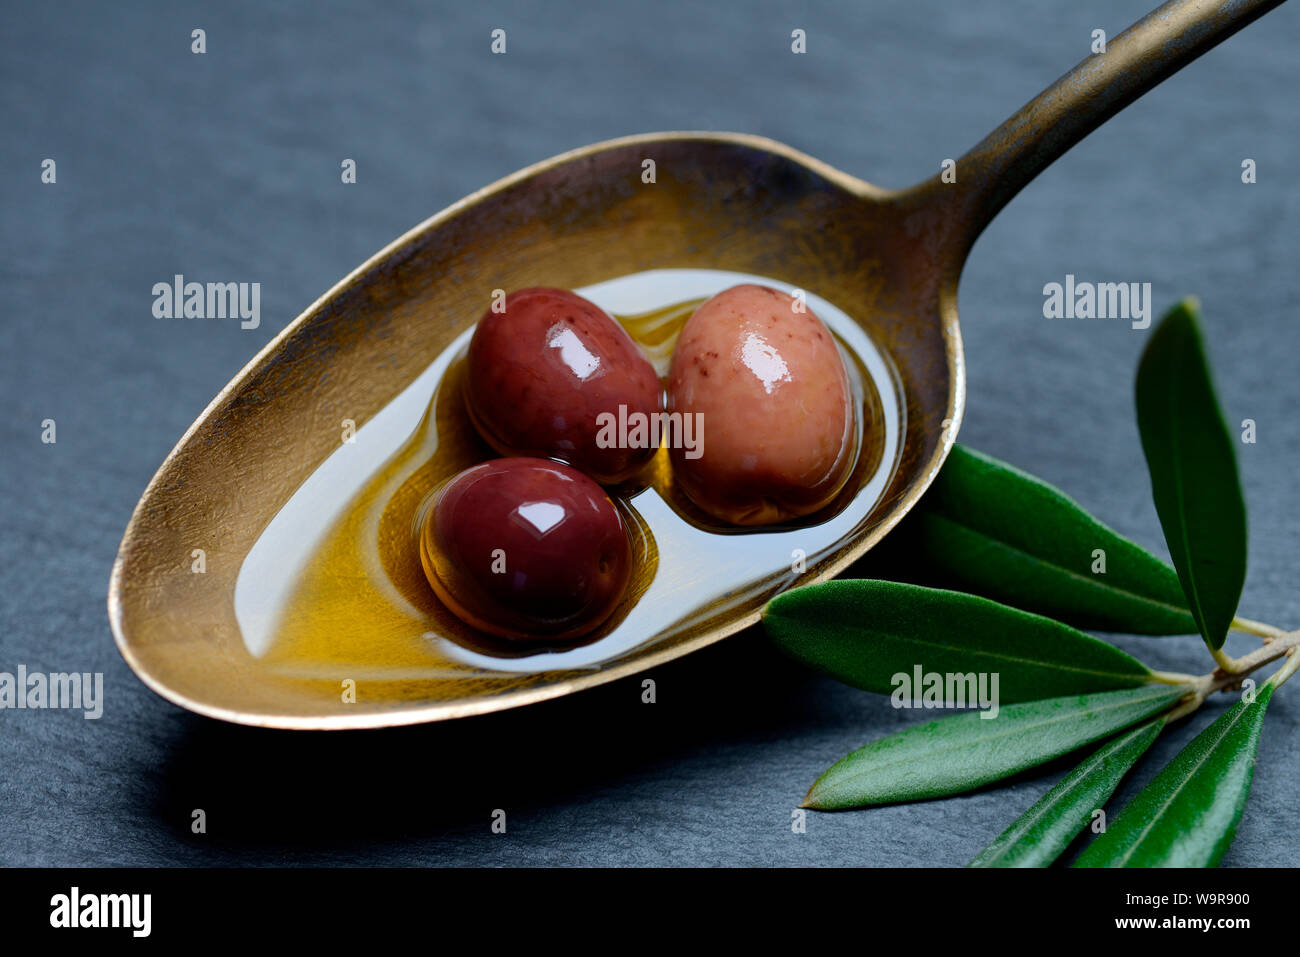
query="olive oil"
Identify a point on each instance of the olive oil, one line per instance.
(334, 588)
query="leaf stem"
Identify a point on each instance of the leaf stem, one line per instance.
(1221, 679)
(1184, 709)
(1258, 628)
(1225, 661)
(1279, 677)
(1283, 642)
(1175, 678)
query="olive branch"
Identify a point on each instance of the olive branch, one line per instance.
(997, 572)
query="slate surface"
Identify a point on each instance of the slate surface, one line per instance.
(227, 165)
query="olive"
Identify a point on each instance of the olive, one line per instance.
(526, 548)
(768, 387)
(547, 374)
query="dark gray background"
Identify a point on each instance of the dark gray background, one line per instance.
(226, 166)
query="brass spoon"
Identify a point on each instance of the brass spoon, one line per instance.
(890, 259)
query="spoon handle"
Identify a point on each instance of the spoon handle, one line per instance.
(1154, 48)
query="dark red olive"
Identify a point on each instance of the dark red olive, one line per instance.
(526, 548)
(547, 374)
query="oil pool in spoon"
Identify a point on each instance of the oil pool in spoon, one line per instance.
(334, 587)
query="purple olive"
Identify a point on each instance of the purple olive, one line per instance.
(546, 374)
(526, 548)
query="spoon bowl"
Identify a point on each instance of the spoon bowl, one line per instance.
(890, 260)
(720, 201)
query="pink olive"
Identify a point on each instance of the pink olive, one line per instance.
(526, 548)
(543, 373)
(772, 397)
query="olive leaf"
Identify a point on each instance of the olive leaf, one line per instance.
(876, 635)
(965, 751)
(1041, 834)
(1193, 468)
(987, 527)
(1187, 815)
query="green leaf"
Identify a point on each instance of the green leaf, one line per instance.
(965, 751)
(1187, 815)
(876, 635)
(989, 528)
(1041, 834)
(1193, 466)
